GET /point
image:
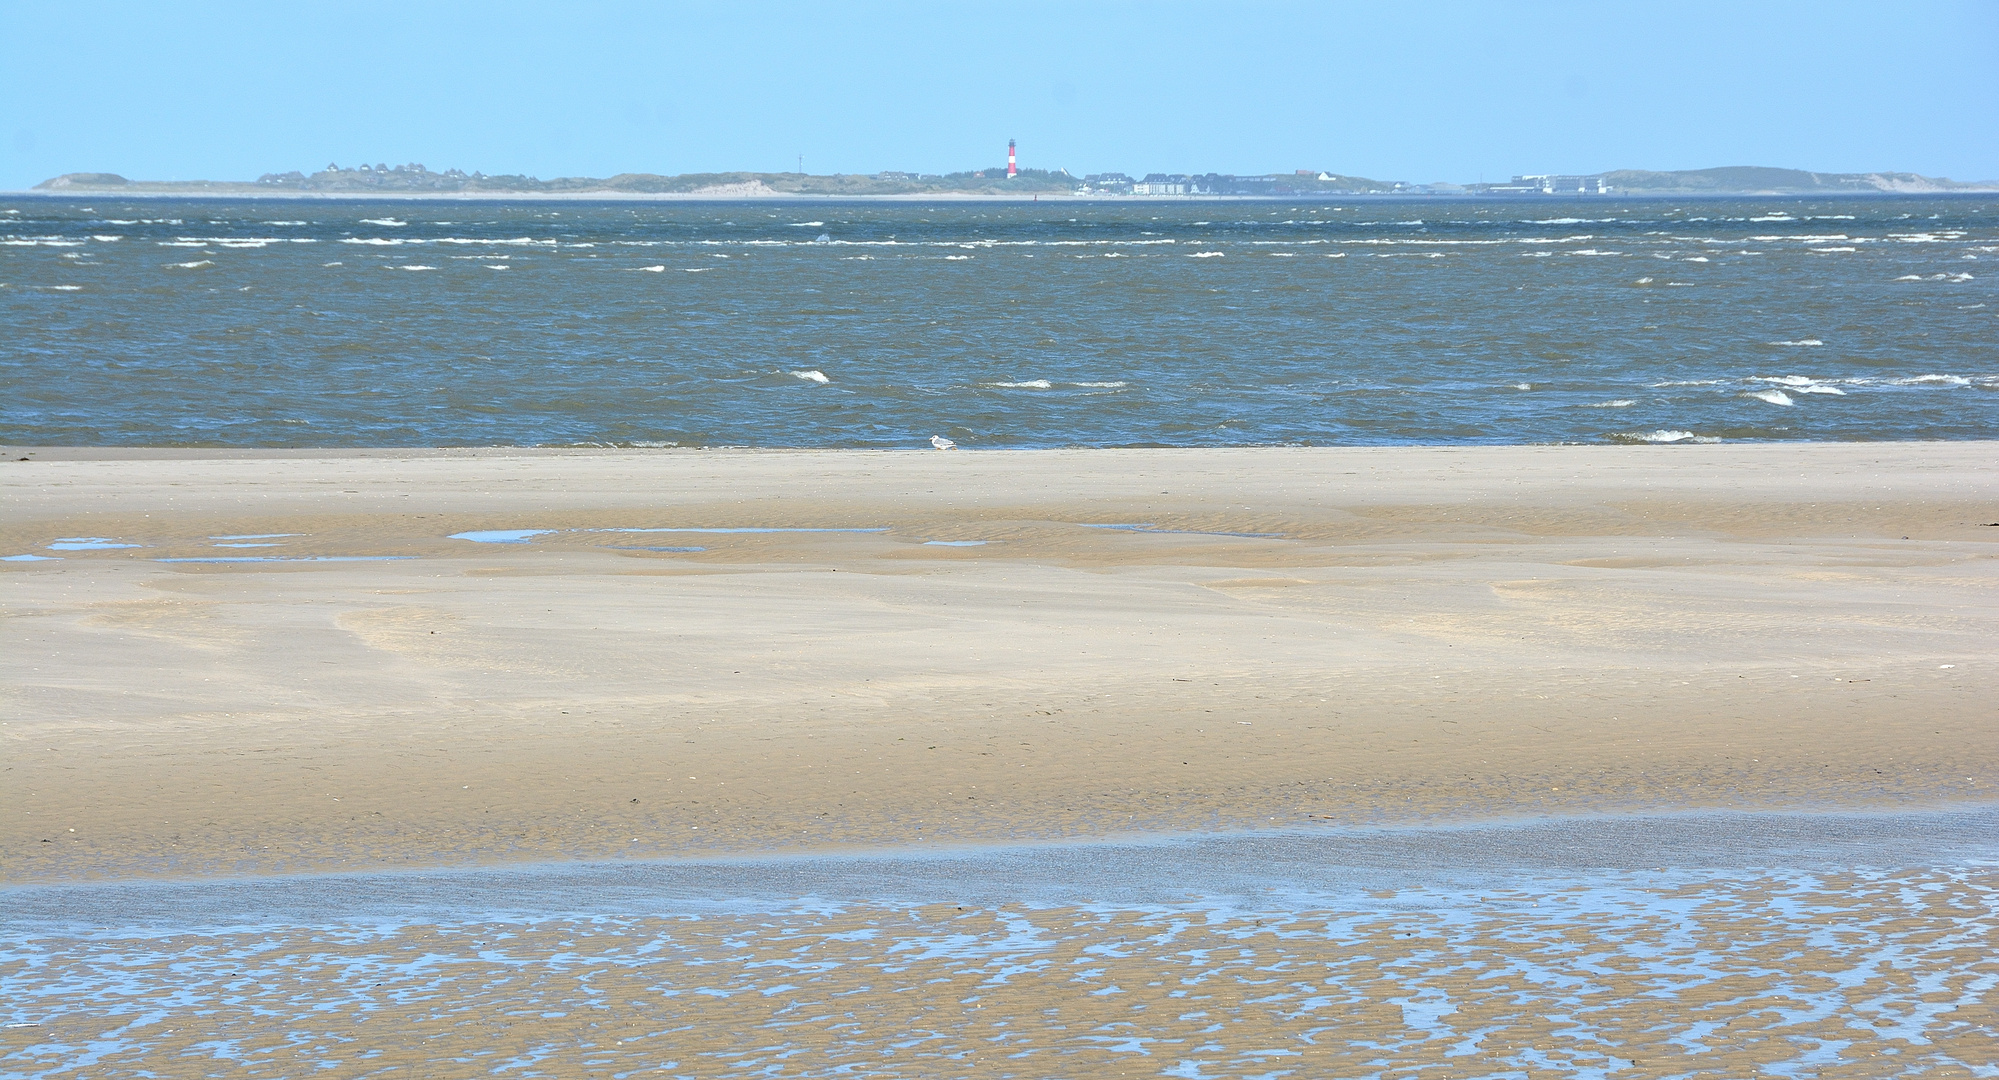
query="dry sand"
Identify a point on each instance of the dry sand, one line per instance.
(1430, 634)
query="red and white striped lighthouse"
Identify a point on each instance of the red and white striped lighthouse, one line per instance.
(1012, 167)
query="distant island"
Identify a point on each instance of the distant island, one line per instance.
(993, 183)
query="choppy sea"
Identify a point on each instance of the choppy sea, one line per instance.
(1132, 323)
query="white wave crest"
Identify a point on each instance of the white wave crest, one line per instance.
(812, 376)
(1101, 385)
(1799, 342)
(1026, 384)
(1774, 397)
(1207, 255)
(1614, 403)
(419, 267)
(389, 221)
(1934, 380)
(1668, 435)
(660, 269)
(195, 265)
(1799, 384)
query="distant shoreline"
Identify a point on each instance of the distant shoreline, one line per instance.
(993, 185)
(603, 196)
(73, 195)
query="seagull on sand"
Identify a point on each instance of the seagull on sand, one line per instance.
(942, 443)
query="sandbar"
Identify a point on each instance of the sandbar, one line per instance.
(722, 652)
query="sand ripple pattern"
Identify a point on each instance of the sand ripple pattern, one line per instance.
(1669, 974)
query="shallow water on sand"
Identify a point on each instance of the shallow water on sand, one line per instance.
(1778, 945)
(255, 323)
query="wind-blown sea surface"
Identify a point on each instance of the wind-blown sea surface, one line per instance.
(1132, 323)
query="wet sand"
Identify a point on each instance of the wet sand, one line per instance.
(1265, 638)
(1690, 945)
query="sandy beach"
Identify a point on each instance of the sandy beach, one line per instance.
(984, 647)
(1584, 761)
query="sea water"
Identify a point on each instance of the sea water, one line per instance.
(1121, 323)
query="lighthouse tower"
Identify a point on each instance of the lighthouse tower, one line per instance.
(1012, 166)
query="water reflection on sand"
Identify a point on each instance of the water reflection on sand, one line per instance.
(1757, 946)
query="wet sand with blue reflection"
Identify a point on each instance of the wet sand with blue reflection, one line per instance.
(1681, 945)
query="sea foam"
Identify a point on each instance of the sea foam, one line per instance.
(1668, 435)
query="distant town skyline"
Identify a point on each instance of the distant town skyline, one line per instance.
(1464, 92)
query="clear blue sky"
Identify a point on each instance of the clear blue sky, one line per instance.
(1435, 91)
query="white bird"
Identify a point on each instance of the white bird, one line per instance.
(942, 443)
